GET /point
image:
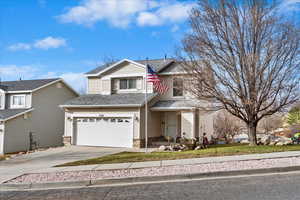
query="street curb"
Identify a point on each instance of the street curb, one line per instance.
(148, 179)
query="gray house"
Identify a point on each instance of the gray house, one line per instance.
(30, 115)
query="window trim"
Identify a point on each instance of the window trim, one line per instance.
(127, 84)
(17, 106)
(173, 81)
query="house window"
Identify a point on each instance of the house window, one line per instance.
(177, 87)
(18, 101)
(127, 84)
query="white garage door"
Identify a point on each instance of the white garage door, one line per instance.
(110, 132)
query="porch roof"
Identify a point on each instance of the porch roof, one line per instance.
(114, 100)
(183, 105)
(11, 113)
(174, 105)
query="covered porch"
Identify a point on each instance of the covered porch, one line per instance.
(177, 120)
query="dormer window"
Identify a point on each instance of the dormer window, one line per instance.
(18, 101)
(126, 84)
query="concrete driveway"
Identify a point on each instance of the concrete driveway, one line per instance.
(37, 161)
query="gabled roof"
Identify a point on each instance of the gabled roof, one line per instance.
(30, 85)
(114, 100)
(11, 113)
(25, 85)
(156, 64)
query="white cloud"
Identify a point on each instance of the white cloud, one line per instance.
(170, 13)
(19, 46)
(14, 72)
(50, 42)
(116, 12)
(45, 44)
(147, 18)
(76, 80)
(121, 13)
(287, 7)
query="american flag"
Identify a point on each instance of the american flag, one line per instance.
(158, 85)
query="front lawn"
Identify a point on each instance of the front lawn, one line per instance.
(215, 150)
(2, 158)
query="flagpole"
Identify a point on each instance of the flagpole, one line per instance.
(146, 108)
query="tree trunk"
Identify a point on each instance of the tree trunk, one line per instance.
(252, 134)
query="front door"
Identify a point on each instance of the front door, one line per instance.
(171, 124)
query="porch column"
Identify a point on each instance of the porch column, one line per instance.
(188, 122)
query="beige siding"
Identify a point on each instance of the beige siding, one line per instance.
(206, 123)
(2, 138)
(154, 122)
(94, 85)
(106, 86)
(108, 82)
(16, 135)
(111, 111)
(48, 117)
(125, 68)
(169, 94)
(188, 123)
(2, 100)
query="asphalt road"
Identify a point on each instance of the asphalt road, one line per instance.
(281, 186)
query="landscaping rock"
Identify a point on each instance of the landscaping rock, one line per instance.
(162, 148)
(280, 143)
(288, 142)
(198, 148)
(245, 141)
(265, 140)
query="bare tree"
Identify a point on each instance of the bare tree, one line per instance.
(226, 126)
(271, 123)
(244, 55)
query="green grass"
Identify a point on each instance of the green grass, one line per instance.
(215, 150)
(2, 158)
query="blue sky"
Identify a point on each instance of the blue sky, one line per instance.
(66, 38)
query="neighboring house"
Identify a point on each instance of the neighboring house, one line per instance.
(30, 115)
(113, 111)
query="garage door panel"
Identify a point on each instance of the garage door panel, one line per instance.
(112, 132)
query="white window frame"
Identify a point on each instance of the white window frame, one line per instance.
(173, 81)
(17, 106)
(127, 80)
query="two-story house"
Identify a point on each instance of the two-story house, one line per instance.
(30, 115)
(113, 111)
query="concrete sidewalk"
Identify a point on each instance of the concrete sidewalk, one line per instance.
(156, 171)
(163, 163)
(41, 160)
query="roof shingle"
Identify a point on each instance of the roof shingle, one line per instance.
(134, 99)
(23, 85)
(7, 113)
